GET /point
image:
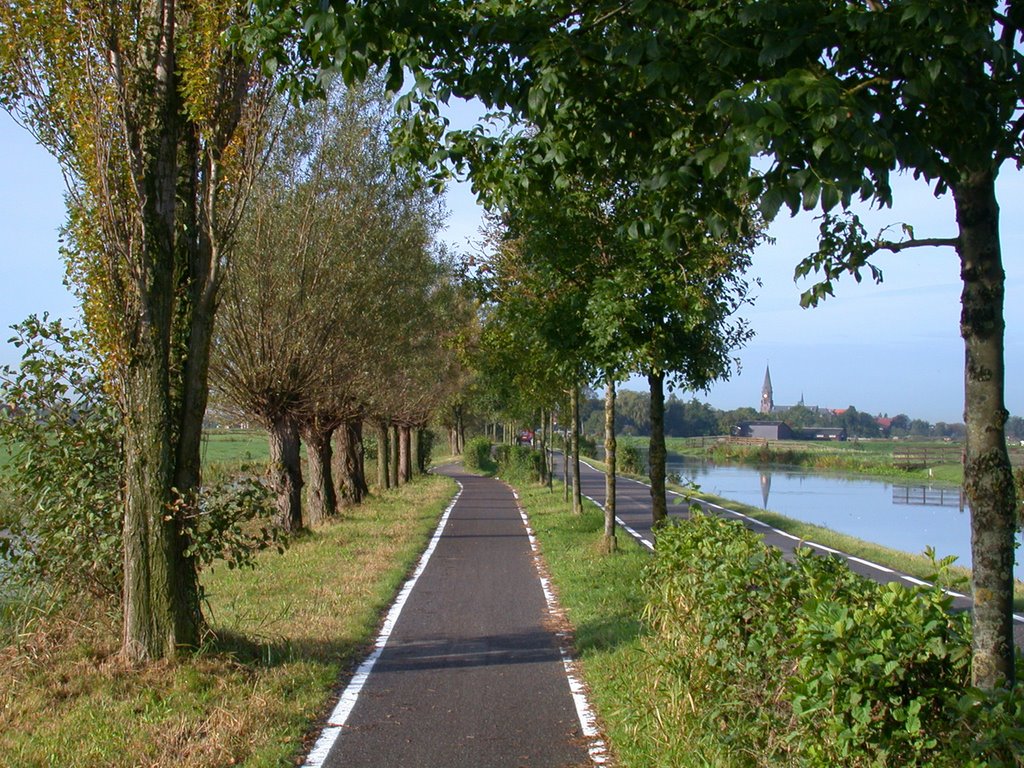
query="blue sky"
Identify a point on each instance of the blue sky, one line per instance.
(890, 348)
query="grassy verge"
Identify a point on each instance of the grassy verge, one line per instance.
(656, 703)
(281, 636)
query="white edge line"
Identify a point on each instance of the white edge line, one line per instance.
(335, 723)
(588, 720)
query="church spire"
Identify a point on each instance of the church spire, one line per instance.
(767, 402)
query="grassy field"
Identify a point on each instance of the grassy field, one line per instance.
(280, 638)
(231, 446)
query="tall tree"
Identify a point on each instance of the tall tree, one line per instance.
(153, 118)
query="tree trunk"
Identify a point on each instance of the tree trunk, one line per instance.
(566, 451)
(416, 446)
(609, 543)
(161, 596)
(393, 459)
(577, 493)
(550, 428)
(656, 454)
(286, 472)
(351, 479)
(383, 453)
(988, 479)
(542, 446)
(321, 500)
(404, 454)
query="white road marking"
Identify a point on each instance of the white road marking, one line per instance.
(588, 720)
(335, 723)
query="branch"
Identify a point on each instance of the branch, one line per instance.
(934, 242)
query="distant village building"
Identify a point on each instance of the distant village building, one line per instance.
(779, 430)
(768, 405)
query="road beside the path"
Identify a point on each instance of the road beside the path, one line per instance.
(633, 509)
(472, 674)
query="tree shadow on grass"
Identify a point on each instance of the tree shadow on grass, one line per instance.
(267, 652)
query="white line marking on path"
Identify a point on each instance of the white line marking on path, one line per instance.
(806, 542)
(335, 723)
(588, 720)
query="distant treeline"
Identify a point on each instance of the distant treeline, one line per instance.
(691, 418)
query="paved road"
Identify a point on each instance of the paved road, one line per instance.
(633, 508)
(472, 673)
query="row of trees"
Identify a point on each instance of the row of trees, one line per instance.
(338, 309)
(625, 182)
(669, 101)
(161, 122)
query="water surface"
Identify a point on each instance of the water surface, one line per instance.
(902, 516)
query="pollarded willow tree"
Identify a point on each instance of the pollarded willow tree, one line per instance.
(330, 312)
(154, 119)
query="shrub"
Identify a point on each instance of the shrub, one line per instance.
(630, 460)
(66, 470)
(807, 663)
(477, 454)
(519, 463)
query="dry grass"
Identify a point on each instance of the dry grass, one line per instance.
(280, 637)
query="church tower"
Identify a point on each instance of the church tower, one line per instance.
(766, 392)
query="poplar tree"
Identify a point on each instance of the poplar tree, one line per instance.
(153, 118)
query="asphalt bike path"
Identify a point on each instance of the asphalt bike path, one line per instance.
(633, 512)
(470, 669)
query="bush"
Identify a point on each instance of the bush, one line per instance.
(807, 663)
(477, 454)
(630, 460)
(519, 463)
(65, 475)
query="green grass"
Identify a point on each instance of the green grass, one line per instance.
(280, 638)
(235, 446)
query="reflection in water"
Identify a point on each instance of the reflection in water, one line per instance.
(928, 496)
(907, 518)
(766, 487)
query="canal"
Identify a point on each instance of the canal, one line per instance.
(901, 516)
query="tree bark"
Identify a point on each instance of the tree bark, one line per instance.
(321, 499)
(416, 448)
(161, 596)
(577, 492)
(286, 472)
(566, 452)
(383, 453)
(656, 454)
(542, 446)
(988, 479)
(393, 459)
(351, 478)
(609, 543)
(550, 428)
(404, 454)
